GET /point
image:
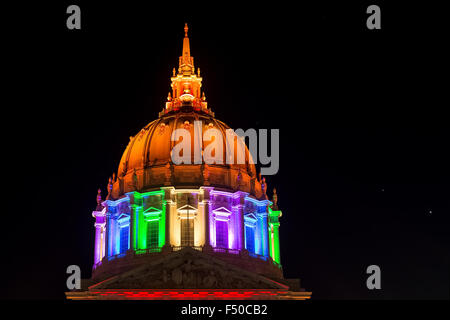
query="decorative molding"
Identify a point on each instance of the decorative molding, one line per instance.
(250, 220)
(187, 212)
(222, 214)
(152, 214)
(123, 220)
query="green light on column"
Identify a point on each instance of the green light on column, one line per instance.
(162, 224)
(274, 239)
(142, 230)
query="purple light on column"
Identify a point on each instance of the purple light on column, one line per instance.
(99, 225)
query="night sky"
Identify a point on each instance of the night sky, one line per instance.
(364, 156)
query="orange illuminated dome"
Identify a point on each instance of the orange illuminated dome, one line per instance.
(146, 163)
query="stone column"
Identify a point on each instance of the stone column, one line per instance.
(167, 203)
(102, 237)
(240, 209)
(97, 248)
(207, 234)
(135, 205)
(265, 232)
(241, 221)
(266, 236)
(276, 234)
(132, 225)
(99, 224)
(206, 203)
(107, 234)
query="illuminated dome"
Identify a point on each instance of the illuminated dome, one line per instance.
(146, 163)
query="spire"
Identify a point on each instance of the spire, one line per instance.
(186, 84)
(186, 61)
(186, 48)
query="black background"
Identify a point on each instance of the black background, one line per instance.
(359, 111)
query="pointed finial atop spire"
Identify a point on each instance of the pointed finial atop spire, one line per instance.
(186, 30)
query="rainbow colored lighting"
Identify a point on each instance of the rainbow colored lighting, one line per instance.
(140, 219)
